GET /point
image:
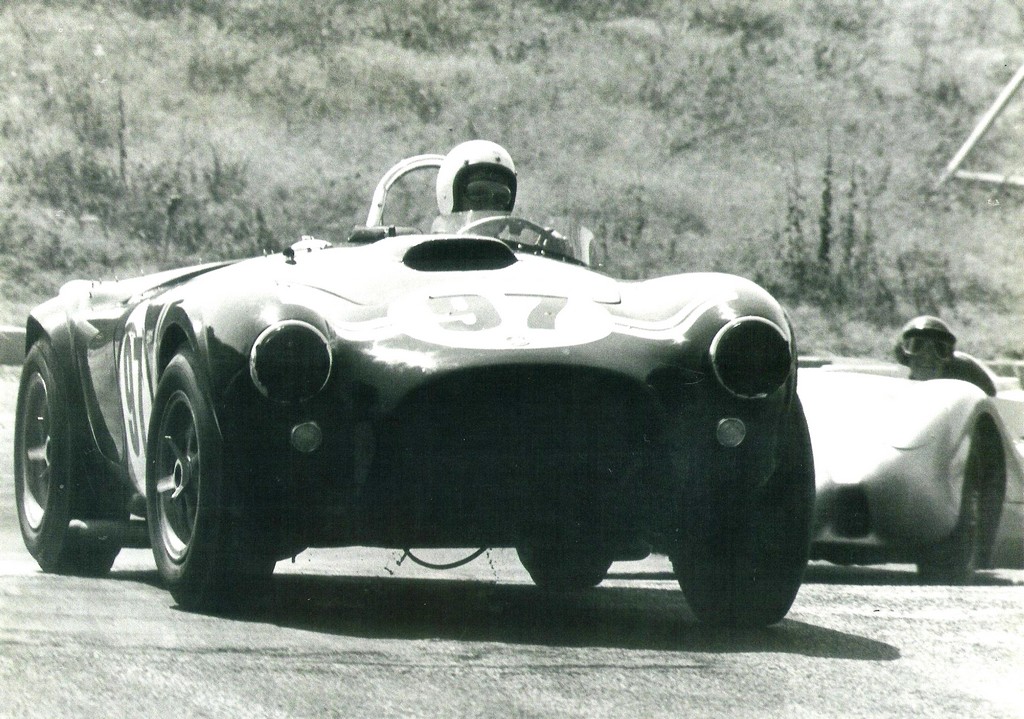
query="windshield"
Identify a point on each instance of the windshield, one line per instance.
(556, 236)
(404, 197)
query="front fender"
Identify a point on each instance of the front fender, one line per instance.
(54, 321)
(902, 445)
(222, 328)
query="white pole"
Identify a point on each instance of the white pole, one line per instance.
(992, 177)
(983, 125)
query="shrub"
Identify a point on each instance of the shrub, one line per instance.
(750, 22)
(827, 251)
(308, 26)
(220, 65)
(603, 9)
(77, 181)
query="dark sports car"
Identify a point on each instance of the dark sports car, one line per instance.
(474, 388)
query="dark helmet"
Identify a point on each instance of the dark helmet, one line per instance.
(925, 326)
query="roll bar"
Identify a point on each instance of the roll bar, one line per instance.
(380, 194)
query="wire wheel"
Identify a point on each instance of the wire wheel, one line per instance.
(35, 452)
(50, 486)
(202, 531)
(178, 477)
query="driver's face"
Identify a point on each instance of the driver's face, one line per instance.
(927, 355)
(484, 190)
(926, 363)
(487, 195)
(925, 367)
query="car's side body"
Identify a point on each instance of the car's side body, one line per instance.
(892, 456)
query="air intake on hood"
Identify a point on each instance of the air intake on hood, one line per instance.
(459, 254)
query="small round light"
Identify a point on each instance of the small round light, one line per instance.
(306, 437)
(731, 432)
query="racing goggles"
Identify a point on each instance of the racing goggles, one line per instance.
(916, 344)
(487, 195)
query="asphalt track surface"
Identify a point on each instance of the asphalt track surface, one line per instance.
(356, 633)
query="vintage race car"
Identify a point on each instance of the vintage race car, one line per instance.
(473, 388)
(916, 472)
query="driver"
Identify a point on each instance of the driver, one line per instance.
(928, 348)
(477, 176)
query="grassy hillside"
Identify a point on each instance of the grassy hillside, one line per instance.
(795, 142)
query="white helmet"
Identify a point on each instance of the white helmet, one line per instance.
(457, 164)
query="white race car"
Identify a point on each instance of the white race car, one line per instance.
(928, 473)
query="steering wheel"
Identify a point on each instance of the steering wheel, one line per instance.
(547, 238)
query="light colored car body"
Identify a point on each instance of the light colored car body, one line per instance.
(891, 456)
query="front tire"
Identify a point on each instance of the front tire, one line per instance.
(49, 491)
(741, 560)
(203, 542)
(954, 559)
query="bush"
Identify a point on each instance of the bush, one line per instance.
(750, 22)
(827, 251)
(220, 65)
(77, 181)
(604, 9)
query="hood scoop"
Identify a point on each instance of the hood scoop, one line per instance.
(459, 254)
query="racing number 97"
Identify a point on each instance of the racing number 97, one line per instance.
(131, 386)
(476, 313)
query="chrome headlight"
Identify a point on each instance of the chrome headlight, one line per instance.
(751, 357)
(290, 361)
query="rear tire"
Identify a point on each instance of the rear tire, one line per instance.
(741, 559)
(203, 541)
(49, 491)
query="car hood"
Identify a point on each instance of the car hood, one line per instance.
(380, 273)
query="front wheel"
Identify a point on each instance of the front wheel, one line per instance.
(47, 486)
(954, 559)
(740, 561)
(202, 541)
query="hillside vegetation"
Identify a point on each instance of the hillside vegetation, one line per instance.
(795, 142)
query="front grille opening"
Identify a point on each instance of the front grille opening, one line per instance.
(852, 517)
(490, 450)
(290, 362)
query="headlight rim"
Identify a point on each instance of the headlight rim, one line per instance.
(725, 330)
(261, 340)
